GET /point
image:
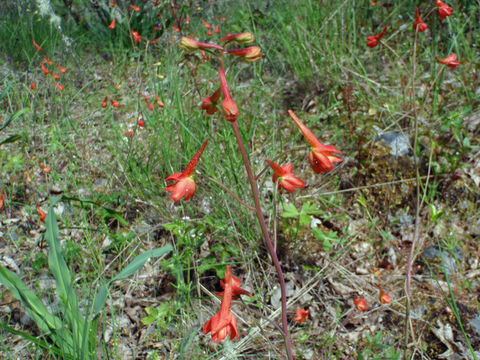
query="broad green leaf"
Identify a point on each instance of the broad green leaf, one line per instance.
(13, 117)
(289, 211)
(100, 298)
(310, 209)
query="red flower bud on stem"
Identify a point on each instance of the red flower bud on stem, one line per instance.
(230, 109)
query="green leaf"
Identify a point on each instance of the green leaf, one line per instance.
(304, 219)
(99, 301)
(310, 209)
(13, 117)
(11, 139)
(290, 211)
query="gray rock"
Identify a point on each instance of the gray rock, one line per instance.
(475, 324)
(438, 259)
(398, 143)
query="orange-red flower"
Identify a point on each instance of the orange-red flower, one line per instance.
(47, 60)
(112, 24)
(140, 122)
(217, 29)
(150, 106)
(207, 25)
(41, 214)
(45, 169)
(321, 156)
(61, 68)
(136, 36)
(249, 54)
(287, 180)
(419, 25)
(242, 38)
(59, 86)
(135, 8)
(450, 60)
(301, 315)
(373, 40)
(210, 103)
(115, 103)
(224, 322)
(104, 102)
(159, 102)
(360, 304)
(190, 44)
(184, 184)
(33, 86)
(443, 9)
(236, 289)
(1, 199)
(55, 76)
(38, 47)
(45, 70)
(230, 109)
(384, 297)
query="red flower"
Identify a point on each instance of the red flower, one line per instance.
(112, 4)
(159, 102)
(41, 213)
(223, 323)
(47, 60)
(140, 122)
(384, 297)
(320, 156)
(360, 304)
(135, 8)
(242, 38)
(372, 41)
(45, 70)
(112, 24)
(104, 102)
(230, 109)
(443, 9)
(33, 86)
(59, 87)
(217, 29)
(45, 169)
(115, 103)
(236, 289)
(190, 44)
(61, 68)
(249, 54)
(39, 48)
(207, 25)
(301, 315)
(184, 184)
(1, 199)
(150, 106)
(136, 36)
(55, 76)
(210, 103)
(419, 25)
(287, 181)
(450, 60)
(129, 133)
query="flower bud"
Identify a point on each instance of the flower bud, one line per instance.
(250, 54)
(190, 44)
(241, 38)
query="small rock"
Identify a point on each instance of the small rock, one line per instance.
(437, 258)
(276, 297)
(475, 324)
(56, 189)
(397, 142)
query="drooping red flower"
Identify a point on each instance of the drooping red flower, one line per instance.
(1, 199)
(419, 25)
(443, 9)
(104, 102)
(59, 86)
(44, 69)
(210, 103)
(373, 40)
(287, 180)
(44, 168)
(47, 60)
(217, 29)
(249, 54)
(301, 315)
(134, 8)
(360, 304)
(112, 24)
(136, 36)
(321, 156)
(242, 38)
(450, 60)
(34, 85)
(236, 289)
(38, 47)
(184, 184)
(159, 102)
(224, 322)
(190, 44)
(55, 76)
(115, 103)
(150, 106)
(230, 109)
(207, 25)
(384, 297)
(140, 122)
(61, 68)
(41, 214)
